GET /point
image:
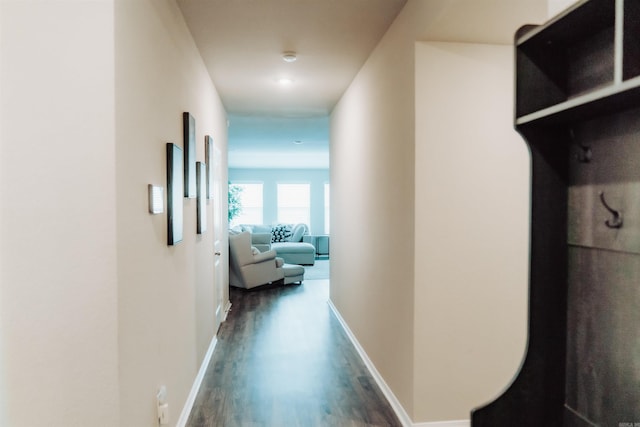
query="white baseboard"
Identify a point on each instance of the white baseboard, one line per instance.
(188, 406)
(227, 309)
(460, 423)
(393, 401)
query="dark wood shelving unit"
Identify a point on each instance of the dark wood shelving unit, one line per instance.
(578, 108)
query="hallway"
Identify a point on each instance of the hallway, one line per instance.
(282, 358)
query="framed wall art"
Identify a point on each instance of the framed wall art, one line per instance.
(189, 132)
(175, 188)
(201, 178)
(208, 156)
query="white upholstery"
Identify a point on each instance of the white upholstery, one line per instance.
(294, 250)
(297, 232)
(248, 270)
(262, 241)
(293, 274)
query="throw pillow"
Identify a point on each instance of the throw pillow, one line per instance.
(280, 233)
(297, 232)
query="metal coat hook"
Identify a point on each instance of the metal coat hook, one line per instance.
(616, 221)
(584, 156)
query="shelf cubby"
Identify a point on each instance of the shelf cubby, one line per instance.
(567, 57)
(630, 44)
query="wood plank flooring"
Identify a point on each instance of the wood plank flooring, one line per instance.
(282, 359)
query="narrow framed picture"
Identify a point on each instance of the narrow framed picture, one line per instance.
(189, 133)
(208, 156)
(175, 188)
(201, 178)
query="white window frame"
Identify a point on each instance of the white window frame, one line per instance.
(286, 213)
(256, 215)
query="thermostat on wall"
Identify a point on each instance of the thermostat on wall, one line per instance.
(156, 199)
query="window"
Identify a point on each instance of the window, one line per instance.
(327, 201)
(251, 202)
(294, 203)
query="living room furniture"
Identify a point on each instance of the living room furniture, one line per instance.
(293, 273)
(578, 108)
(261, 240)
(249, 268)
(293, 251)
(320, 242)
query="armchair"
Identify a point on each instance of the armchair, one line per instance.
(249, 268)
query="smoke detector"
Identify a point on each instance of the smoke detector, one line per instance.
(289, 56)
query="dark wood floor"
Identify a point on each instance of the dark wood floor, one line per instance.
(282, 359)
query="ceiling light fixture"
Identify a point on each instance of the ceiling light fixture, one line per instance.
(297, 142)
(285, 81)
(289, 56)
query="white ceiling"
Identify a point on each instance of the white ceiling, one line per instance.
(260, 141)
(241, 42)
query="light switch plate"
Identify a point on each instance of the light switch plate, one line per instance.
(156, 199)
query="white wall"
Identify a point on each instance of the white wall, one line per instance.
(3, 383)
(271, 177)
(396, 309)
(557, 6)
(472, 194)
(372, 208)
(58, 279)
(167, 297)
(96, 311)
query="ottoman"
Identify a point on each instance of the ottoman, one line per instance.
(293, 273)
(296, 252)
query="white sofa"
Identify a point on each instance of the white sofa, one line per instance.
(290, 247)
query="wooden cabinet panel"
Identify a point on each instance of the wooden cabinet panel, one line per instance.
(603, 346)
(612, 173)
(588, 217)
